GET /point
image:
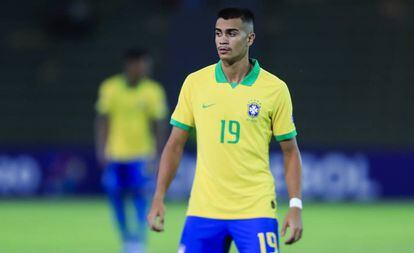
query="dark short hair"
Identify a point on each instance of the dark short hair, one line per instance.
(135, 54)
(245, 15)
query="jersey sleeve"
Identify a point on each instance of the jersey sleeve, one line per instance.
(158, 108)
(104, 103)
(282, 118)
(182, 116)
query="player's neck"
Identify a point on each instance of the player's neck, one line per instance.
(236, 71)
(132, 82)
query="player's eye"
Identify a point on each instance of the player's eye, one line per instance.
(218, 34)
(233, 34)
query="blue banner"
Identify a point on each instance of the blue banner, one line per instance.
(327, 175)
(27, 172)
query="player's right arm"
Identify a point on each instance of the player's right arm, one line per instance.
(101, 136)
(103, 107)
(170, 159)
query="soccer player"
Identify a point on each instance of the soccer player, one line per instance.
(128, 107)
(236, 107)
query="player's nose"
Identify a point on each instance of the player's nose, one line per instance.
(223, 41)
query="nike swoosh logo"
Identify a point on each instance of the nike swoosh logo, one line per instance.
(207, 105)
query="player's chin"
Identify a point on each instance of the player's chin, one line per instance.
(225, 56)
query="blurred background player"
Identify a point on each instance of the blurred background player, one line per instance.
(129, 106)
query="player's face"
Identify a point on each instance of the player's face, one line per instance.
(233, 39)
(135, 69)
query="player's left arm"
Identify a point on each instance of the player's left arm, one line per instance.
(293, 174)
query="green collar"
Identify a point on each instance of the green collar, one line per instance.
(247, 80)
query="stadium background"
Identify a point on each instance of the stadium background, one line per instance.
(349, 68)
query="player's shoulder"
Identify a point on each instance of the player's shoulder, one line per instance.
(203, 73)
(151, 83)
(151, 87)
(271, 80)
(111, 83)
(114, 80)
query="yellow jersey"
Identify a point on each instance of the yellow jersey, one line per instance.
(130, 110)
(234, 125)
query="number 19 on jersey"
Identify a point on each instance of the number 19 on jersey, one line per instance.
(230, 132)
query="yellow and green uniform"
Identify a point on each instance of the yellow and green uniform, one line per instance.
(130, 110)
(234, 124)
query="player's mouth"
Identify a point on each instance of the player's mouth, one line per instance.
(224, 50)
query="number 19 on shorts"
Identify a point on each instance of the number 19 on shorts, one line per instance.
(267, 240)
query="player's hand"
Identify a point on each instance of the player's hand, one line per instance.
(293, 220)
(156, 216)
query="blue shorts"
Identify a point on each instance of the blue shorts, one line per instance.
(205, 235)
(125, 176)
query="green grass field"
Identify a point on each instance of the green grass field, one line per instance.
(85, 226)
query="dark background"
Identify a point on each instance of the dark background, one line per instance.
(348, 63)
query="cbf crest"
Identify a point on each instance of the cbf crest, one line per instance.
(253, 109)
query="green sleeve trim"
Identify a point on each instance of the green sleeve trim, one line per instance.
(180, 125)
(287, 136)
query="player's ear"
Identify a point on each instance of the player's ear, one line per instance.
(250, 38)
